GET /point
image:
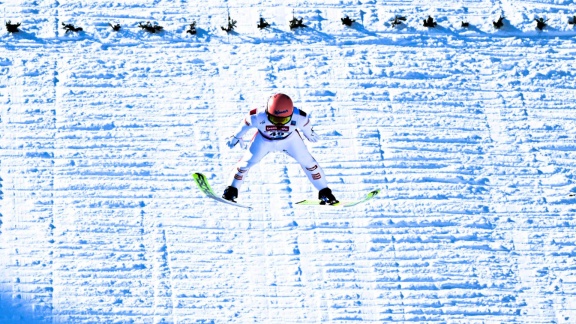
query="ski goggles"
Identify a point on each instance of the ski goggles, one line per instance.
(278, 120)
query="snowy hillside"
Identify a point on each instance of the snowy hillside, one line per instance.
(469, 132)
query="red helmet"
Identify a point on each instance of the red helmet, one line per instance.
(280, 109)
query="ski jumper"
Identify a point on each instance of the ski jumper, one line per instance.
(273, 138)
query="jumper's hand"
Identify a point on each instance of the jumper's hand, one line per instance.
(232, 141)
(312, 136)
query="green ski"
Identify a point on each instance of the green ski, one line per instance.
(369, 196)
(204, 186)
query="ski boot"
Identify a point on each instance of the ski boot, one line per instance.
(326, 197)
(230, 194)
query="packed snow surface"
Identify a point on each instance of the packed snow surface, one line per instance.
(469, 132)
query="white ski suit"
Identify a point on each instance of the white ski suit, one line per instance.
(284, 138)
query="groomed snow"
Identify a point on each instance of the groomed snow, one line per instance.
(470, 134)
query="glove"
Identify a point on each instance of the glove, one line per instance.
(312, 137)
(232, 141)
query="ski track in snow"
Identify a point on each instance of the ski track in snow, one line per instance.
(469, 132)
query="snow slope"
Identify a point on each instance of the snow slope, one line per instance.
(469, 132)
